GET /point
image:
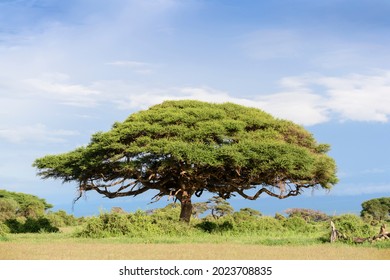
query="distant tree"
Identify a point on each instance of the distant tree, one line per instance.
(250, 212)
(307, 214)
(183, 148)
(199, 208)
(26, 205)
(377, 208)
(219, 207)
(60, 218)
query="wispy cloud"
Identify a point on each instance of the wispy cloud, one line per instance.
(353, 97)
(307, 99)
(360, 189)
(35, 133)
(57, 87)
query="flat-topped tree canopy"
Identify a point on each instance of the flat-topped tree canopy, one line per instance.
(182, 148)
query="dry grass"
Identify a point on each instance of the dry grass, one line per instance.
(121, 251)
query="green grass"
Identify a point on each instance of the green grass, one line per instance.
(195, 245)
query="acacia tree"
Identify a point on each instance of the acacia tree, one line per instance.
(183, 148)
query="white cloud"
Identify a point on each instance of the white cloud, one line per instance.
(56, 87)
(301, 107)
(306, 99)
(359, 97)
(342, 190)
(313, 99)
(35, 133)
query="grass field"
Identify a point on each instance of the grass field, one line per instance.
(62, 246)
(116, 251)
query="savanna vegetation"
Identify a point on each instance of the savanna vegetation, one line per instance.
(216, 224)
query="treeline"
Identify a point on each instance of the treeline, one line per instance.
(245, 222)
(21, 213)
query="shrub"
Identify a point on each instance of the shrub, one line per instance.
(92, 227)
(297, 224)
(353, 226)
(28, 205)
(4, 229)
(8, 208)
(266, 224)
(308, 215)
(217, 226)
(40, 224)
(279, 217)
(137, 224)
(377, 208)
(61, 219)
(207, 226)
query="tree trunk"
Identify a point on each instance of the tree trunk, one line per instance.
(186, 207)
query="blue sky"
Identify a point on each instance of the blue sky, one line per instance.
(72, 68)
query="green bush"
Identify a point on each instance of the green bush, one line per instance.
(137, 224)
(267, 224)
(352, 226)
(92, 227)
(4, 229)
(8, 208)
(297, 224)
(61, 219)
(309, 215)
(27, 205)
(207, 226)
(217, 226)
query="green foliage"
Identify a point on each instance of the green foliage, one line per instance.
(219, 207)
(208, 226)
(279, 217)
(377, 209)
(251, 212)
(61, 219)
(298, 224)
(307, 214)
(199, 208)
(352, 226)
(4, 229)
(8, 208)
(162, 222)
(21, 204)
(25, 213)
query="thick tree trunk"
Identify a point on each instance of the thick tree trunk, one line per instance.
(186, 208)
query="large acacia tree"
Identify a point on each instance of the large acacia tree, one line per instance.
(183, 148)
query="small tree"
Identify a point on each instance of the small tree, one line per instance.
(219, 207)
(183, 148)
(250, 212)
(307, 214)
(377, 208)
(199, 208)
(26, 205)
